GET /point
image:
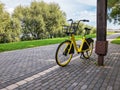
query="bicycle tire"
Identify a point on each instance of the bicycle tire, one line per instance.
(62, 56)
(87, 53)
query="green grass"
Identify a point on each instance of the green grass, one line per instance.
(109, 33)
(28, 44)
(116, 41)
(33, 43)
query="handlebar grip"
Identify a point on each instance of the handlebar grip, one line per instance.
(84, 20)
(70, 20)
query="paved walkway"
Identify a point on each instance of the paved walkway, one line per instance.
(35, 69)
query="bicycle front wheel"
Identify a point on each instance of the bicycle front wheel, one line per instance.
(88, 53)
(63, 56)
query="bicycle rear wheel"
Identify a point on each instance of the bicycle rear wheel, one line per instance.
(63, 56)
(88, 53)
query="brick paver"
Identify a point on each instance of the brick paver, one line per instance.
(80, 74)
(19, 64)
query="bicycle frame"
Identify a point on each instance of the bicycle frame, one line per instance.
(73, 42)
(66, 49)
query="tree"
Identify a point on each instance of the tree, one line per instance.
(40, 20)
(55, 19)
(114, 11)
(80, 29)
(8, 27)
(15, 29)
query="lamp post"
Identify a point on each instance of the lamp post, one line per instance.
(101, 43)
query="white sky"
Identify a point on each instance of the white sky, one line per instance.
(75, 9)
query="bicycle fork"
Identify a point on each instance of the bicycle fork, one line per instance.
(69, 49)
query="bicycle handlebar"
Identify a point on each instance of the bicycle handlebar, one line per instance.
(74, 25)
(70, 20)
(84, 20)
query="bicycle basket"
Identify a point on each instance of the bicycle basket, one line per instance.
(85, 45)
(66, 28)
(69, 29)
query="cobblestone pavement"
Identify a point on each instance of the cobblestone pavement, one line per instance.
(80, 74)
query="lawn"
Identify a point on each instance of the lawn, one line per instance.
(33, 43)
(116, 41)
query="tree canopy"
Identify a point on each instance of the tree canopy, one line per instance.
(39, 20)
(9, 27)
(114, 11)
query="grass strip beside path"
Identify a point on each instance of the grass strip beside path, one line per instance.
(116, 41)
(28, 44)
(34, 43)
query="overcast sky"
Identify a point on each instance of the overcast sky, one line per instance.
(75, 9)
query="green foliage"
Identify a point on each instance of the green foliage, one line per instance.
(111, 3)
(9, 28)
(114, 11)
(82, 30)
(40, 20)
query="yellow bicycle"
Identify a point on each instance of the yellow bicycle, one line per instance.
(66, 49)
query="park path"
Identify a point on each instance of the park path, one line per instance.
(20, 64)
